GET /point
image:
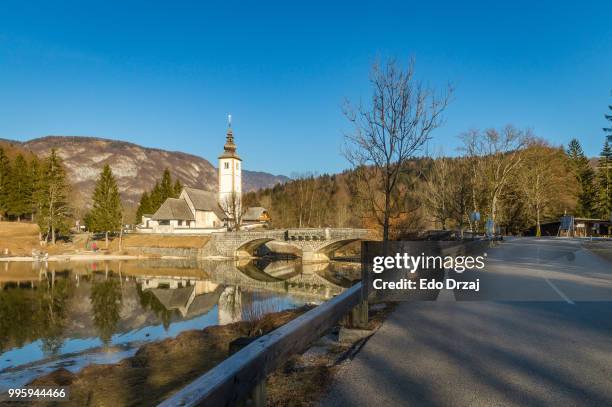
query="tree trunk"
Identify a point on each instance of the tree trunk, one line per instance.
(106, 239)
(386, 217)
(52, 234)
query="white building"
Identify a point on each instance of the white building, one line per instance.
(200, 211)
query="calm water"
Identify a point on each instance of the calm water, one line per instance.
(74, 314)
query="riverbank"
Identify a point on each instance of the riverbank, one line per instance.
(75, 257)
(20, 241)
(158, 369)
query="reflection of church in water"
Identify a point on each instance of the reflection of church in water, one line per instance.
(191, 298)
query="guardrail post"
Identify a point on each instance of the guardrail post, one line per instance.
(359, 315)
(258, 396)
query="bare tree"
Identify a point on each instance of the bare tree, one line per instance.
(542, 176)
(494, 157)
(304, 185)
(233, 210)
(388, 132)
(439, 191)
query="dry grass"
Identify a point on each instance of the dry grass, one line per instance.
(19, 238)
(303, 380)
(174, 242)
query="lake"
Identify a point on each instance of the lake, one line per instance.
(72, 314)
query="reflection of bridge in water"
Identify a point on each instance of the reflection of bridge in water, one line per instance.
(307, 280)
(225, 281)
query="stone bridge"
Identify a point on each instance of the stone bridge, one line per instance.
(313, 244)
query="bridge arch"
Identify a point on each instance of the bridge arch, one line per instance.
(249, 247)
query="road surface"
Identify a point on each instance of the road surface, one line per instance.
(539, 333)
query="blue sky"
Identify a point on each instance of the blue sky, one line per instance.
(166, 74)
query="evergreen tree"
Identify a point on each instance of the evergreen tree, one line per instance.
(144, 207)
(178, 187)
(53, 197)
(586, 179)
(20, 189)
(608, 130)
(166, 187)
(35, 171)
(106, 213)
(156, 198)
(5, 177)
(604, 181)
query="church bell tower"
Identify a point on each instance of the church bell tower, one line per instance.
(230, 175)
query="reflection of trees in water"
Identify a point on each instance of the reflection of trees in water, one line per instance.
(151, 302)
(27, 314)
(106, 299)
(17, 317)
(53, 305)
(230, 305)
(257, 304)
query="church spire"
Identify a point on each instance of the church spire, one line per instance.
(229, 149)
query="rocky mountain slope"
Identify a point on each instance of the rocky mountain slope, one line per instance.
(136, 168)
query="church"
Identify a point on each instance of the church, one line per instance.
(200, 211)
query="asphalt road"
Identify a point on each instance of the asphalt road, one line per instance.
(539, 333)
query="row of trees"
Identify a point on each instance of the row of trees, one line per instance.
(507, 176)
(307, 201)
(595, 185)
(35, 189)
(38, 190)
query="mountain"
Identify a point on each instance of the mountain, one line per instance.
(136, 168)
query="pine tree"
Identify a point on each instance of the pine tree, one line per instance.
(586, 180)
(20, 189)
(608, 130)
(166, 187)
(53, 197)
(36, 176)
(5, 177)
(144, 207)
(106, 214)
(156, 198)
(604, 181)
(178, 188)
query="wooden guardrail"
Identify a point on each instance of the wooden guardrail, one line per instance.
(235, 378)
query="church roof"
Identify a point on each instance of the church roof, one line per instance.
(204, 201)
(174, 209)
(173, 298)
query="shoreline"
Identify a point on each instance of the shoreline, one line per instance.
(82, 257)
